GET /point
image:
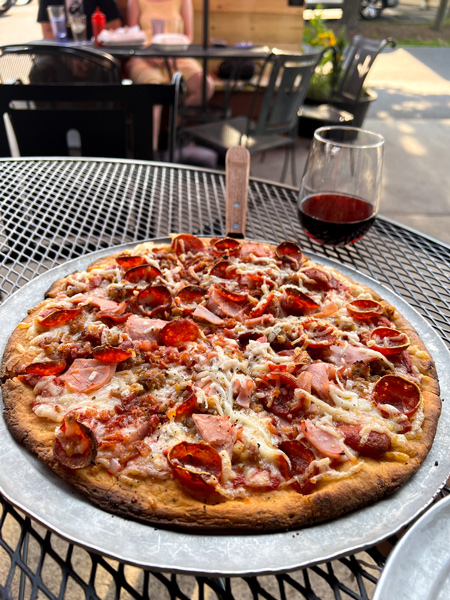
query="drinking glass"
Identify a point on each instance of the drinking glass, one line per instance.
(78, 27)
(57, 17)
(341, 185)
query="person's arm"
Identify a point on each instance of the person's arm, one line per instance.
(187, 14)
(114, 24)
(133, 13)
(47, 32)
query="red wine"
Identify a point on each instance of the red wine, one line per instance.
(335, 219)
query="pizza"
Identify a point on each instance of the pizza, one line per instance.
(218, 384)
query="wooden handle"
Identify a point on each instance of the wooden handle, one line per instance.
(237, 169)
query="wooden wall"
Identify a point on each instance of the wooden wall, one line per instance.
(262, 22)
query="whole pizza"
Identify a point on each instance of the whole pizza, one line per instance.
(221, 384)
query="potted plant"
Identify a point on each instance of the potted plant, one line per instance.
(318, 36)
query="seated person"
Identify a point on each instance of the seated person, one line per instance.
(73, 7)
(154, 70)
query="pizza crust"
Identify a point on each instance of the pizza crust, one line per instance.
(165, 503)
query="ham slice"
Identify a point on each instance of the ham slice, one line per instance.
(201, 312)
(324, 442)
(221, 306)
(87, 374)
(143, 329)
(243, 387)
(328, 309)
(216, 431)
(103, 304)
(348, 355)
(320, 381)
(259, 250)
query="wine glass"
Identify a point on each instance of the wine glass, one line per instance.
(341, 185)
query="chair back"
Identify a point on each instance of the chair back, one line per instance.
(289, 78)
(51, 63)
(358, 60)
(112, 120)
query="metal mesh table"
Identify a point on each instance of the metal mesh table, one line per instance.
(53, 210)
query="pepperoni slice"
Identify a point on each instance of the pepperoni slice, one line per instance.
(325, 442)
(190, 297)
(187, 407)
(230, 296)
(365, 309)
(179, 332)
(145, 272)
(317, 334)
(295, 302)
(110, 354)
(318, 279)
(153, 299)
(224, 270)
(46, 367)
(58, 316)
(244, 338)
(289, 250)
(75, 445)
(300, 458)
(261, 308)
(377, 443)
(128, 262)
(185, 242)
(388, 341)
(226, 246)
(276, 390)
(397, 391)
(255, 281)
(197, 466)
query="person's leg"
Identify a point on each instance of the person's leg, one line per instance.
(141, 71)
(194, 89)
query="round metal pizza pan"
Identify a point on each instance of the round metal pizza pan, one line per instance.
(32, 487)
(419, 565)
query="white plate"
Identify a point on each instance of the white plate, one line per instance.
(170, 42)
(419, 565)
(63, 510)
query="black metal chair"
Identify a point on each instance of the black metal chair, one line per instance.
(51, 63)
(272, 119)
(341, 109)
(114, 121)
(79, 89)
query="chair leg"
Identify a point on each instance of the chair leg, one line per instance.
(294, 165)
(285, 162)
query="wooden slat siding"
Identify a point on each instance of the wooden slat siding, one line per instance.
(262, 22)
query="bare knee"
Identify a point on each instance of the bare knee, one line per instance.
(194, 89)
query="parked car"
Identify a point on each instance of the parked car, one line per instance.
(369, 9)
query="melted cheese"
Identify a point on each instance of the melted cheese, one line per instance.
(217, 365)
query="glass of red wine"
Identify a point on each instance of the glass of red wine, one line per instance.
(341, 185)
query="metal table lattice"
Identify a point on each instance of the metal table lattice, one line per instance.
(53, 210)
